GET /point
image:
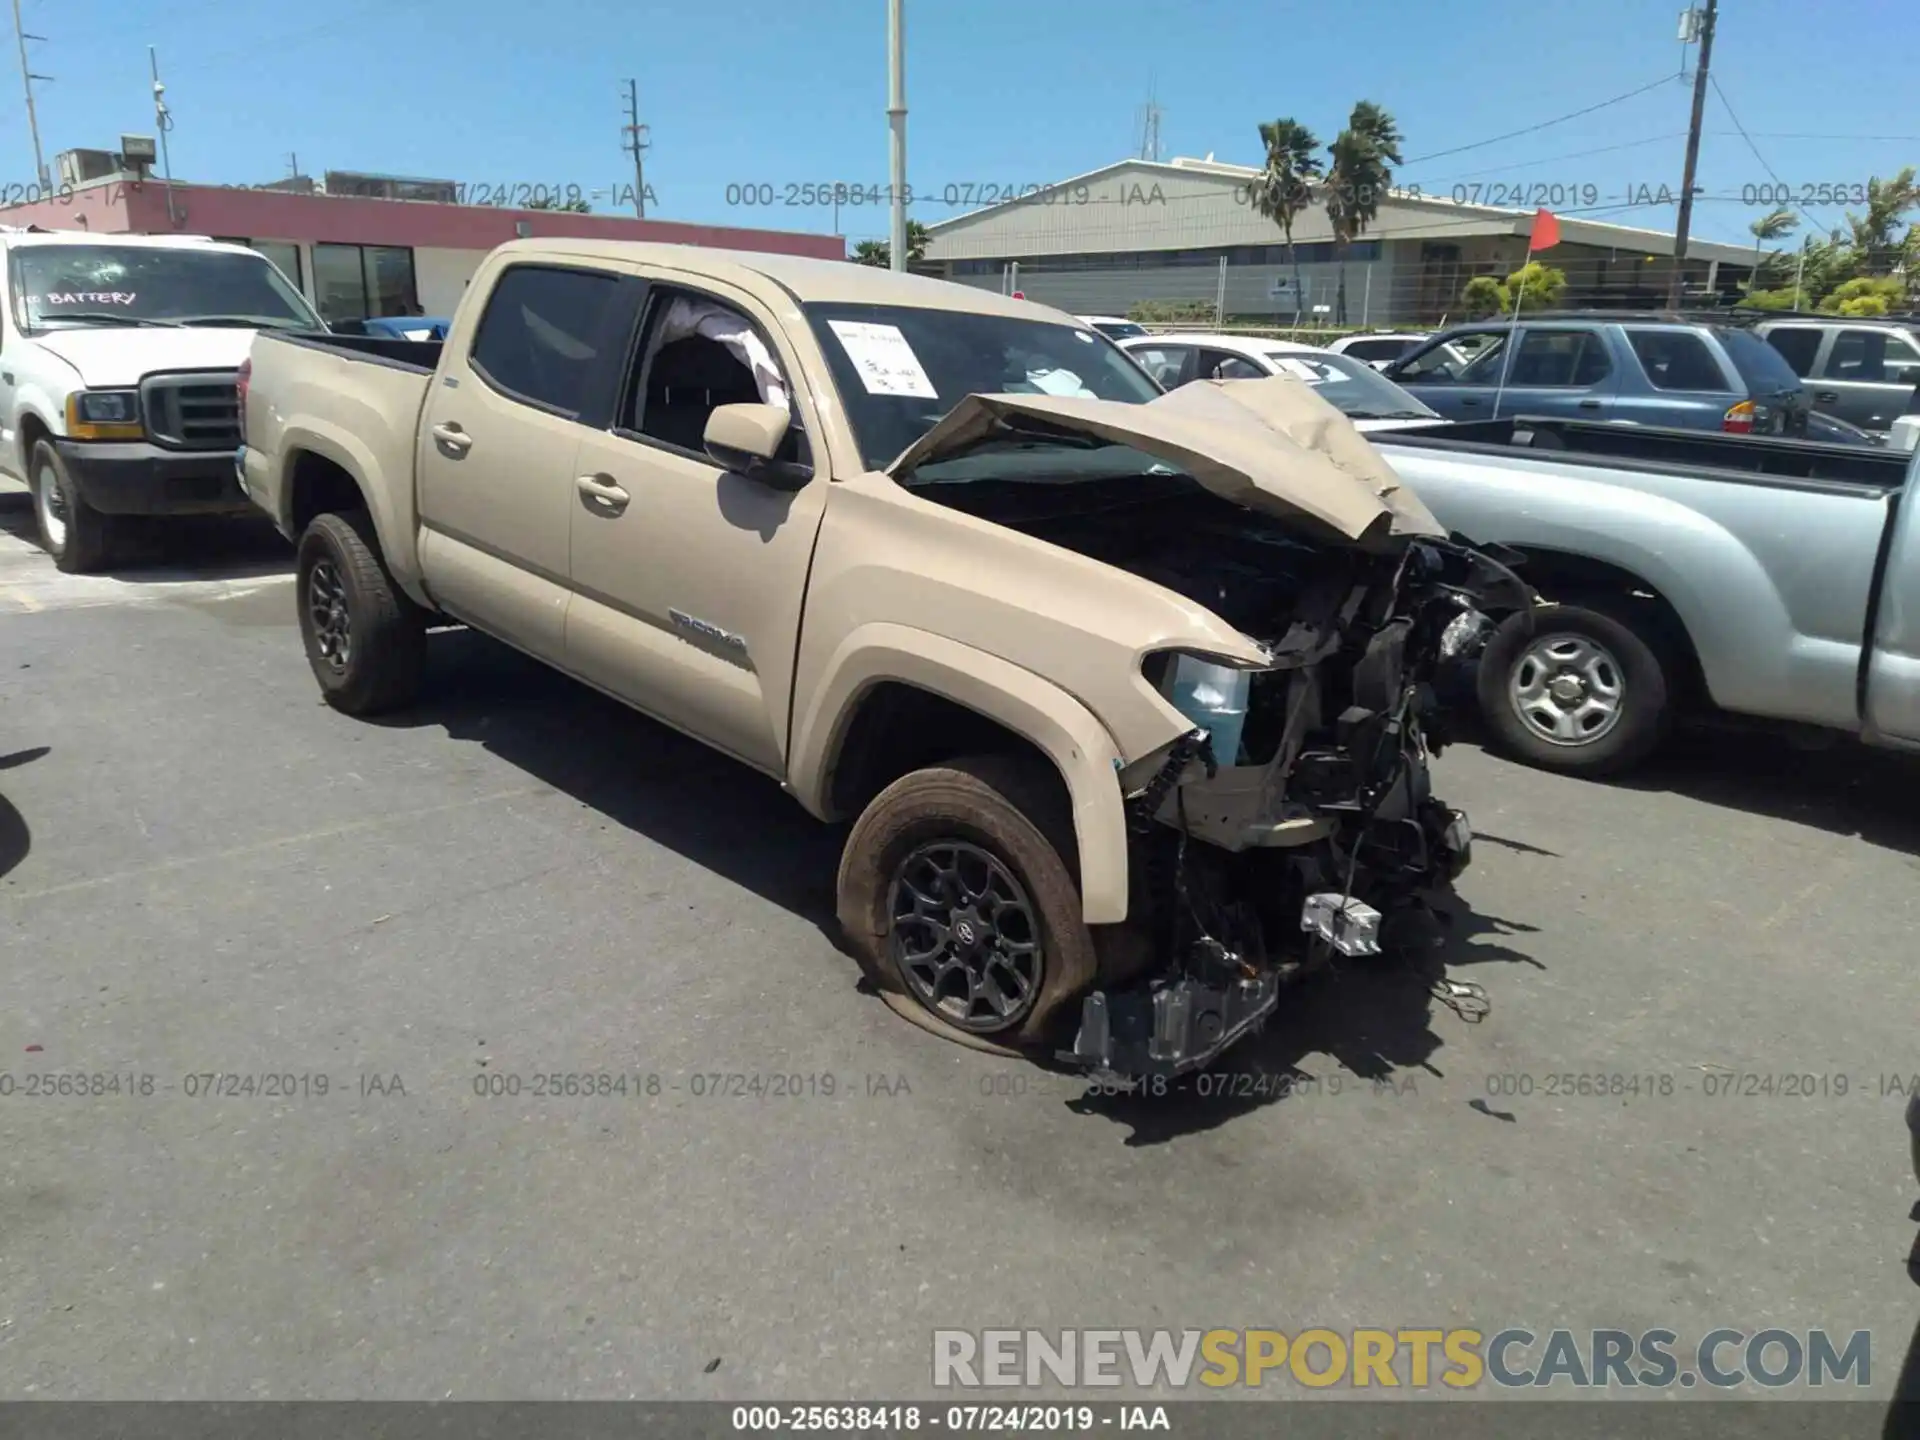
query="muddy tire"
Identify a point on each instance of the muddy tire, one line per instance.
(366, 641)
(957, 896)
(1570, 689)
(80, 539)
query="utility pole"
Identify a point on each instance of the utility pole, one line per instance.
(1685, 220)
(636, 144)
(27, 77)
(897, 128)
(163, 122)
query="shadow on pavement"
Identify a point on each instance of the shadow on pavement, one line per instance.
(651, 779)
(1373, 1019)
(1845, 788)
(15, 838)
(163, 549)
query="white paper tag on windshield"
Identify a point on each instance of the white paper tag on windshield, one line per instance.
(1299, 369)
(1058, 382)
(885, 360)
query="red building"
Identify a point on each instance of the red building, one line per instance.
(356, 256)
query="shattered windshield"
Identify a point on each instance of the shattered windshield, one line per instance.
(61, 286)
(899, 369)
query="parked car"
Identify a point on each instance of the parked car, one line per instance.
(1380, 350)
(396, 327)
(1349, 384)
(1863, 370)
(1692, 574)
(1653, 370)
(1112, 326)
(117, 373)
(903, 545)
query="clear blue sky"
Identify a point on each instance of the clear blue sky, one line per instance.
(782, 91)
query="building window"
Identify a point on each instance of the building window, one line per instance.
(286, 257)
(363, 282)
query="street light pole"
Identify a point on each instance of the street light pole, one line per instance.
(27, 77)
(1684, 222)
(897, 126)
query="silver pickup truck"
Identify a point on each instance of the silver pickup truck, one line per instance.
(1693, 574)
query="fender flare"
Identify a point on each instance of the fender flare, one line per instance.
(1025, 703)
(397, 545)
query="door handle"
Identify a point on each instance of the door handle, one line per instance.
(1468, 401)
(453, 438)
(1826, 397)
(603, 492)
(1589, 404)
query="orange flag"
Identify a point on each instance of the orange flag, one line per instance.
(1546, 231)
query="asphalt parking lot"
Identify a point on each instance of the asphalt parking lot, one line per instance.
(204, 871)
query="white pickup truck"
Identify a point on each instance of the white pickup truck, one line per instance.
(118, 360)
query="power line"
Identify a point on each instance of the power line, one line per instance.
(1570, 155)
(1728, 106)
(1544, 124)
(1802, 135)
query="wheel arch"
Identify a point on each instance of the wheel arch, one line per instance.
(894, 699)
(1623, 595)
(320, 471)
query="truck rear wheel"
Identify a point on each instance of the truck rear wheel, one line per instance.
(80, 539)
(366, 641)
(1566, 688)
(958, 899)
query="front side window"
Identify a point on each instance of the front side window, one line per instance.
(700, 354)
(1469, 358)
(1219, 365)
(900, 368)
(1164, 362)
(545, 335)
(63, 286)
(1874, 356)
(1378, 349)
(1676, 360)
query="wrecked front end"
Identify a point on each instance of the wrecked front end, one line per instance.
(1295, 825)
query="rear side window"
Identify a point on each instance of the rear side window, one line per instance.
(1876, 356)
(1163, 362)
(1798, 346)
(544, 338)
(1761, 366)
(1219, 365)
(1676, 360)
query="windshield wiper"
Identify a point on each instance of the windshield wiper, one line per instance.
(107, 317)
(249, 322)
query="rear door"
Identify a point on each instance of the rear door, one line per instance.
(1457, 375)
(1867, 375)
(498, 434)
(1687, 384)
(1562, 371)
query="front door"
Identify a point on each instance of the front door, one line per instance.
(688, 578)
(499, 429)
(1456, 376)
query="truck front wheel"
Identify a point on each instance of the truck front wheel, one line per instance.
(958, 901)
(1567, 688)
(365, 640)
(78, 537)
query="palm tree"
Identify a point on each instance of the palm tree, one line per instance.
(880, 252)
(1769, 227)
(1873, 237)
(1285, 187)
(1358, 181)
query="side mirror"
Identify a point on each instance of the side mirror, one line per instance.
(746, 438)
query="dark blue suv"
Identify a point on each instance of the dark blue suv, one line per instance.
(1650, 370)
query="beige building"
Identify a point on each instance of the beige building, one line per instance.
(1186, 230)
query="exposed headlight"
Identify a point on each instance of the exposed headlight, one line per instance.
(104, 415)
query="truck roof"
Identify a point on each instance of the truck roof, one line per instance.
(801, 277)
(143, 242)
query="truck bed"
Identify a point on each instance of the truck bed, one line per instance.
(407, 354)
(1699, 454)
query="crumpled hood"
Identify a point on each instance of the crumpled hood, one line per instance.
(115, 357)
(1271, 445)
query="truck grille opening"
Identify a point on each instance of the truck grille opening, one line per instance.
(192, 412)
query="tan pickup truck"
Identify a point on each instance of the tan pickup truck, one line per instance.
(1127, 693)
